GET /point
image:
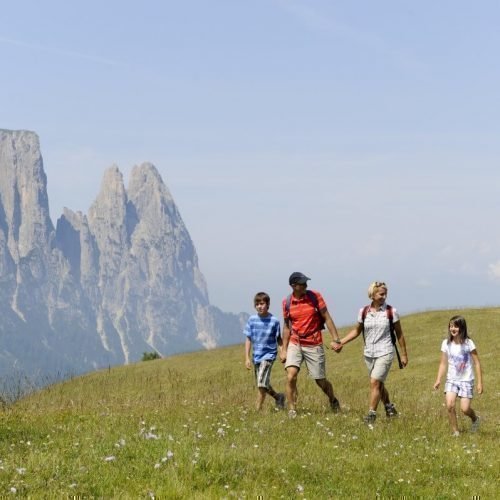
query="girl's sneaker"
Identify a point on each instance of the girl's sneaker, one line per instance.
(475, 425)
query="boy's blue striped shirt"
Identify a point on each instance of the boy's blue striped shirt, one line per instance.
(263, 333)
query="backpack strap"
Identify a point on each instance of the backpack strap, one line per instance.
(390, 316)
(287, 305)
(393, 334)
(364, 312)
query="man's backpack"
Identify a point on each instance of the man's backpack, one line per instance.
(314, 299)
(390, 317)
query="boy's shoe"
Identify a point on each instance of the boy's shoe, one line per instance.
(335, 405)
(455, 434)
(280, 401)
(475, 425)
(370, 418)
(292, 414)
(390, 410)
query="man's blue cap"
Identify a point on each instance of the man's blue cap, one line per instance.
(298, 279)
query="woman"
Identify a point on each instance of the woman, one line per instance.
(375, 322)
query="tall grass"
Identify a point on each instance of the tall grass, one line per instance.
(185, 427)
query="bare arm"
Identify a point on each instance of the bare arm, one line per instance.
(354, 333)
(286, 339)
(248, 346)
(335, 342)
(441, 370)
(479, 371)
(401, 342)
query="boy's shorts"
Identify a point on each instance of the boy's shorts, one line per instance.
(462, 389)
(313, 356)
(378, 368)
(263, 373)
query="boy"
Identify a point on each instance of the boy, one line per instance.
(263, 332)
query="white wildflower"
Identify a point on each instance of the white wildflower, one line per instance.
(157, 466)
(300, 488)
(120, 443)
(21, 470)
(170, 454)
(221, 432)
(111, 458)
(13, 490)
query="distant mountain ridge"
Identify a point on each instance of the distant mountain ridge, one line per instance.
(99, 289)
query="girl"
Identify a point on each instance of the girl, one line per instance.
(458, 352)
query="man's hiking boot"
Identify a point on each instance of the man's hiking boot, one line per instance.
(370, 418)
(390, 410)
(280, 401)
(335, 405)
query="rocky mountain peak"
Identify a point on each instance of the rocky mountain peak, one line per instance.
(98, 289)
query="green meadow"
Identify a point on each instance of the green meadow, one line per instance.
(185, 427)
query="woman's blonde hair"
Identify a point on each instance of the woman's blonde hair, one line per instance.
(374, 287)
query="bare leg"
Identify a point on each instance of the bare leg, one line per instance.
(467, 410)
(451, 399)
(376, 390)
(291, 386)
(272, 392)
(384, 394)
(327, 388)
(260, 398)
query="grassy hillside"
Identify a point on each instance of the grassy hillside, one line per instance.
(184, 427)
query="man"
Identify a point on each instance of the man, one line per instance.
(305, 314)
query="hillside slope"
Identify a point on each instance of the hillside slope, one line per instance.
(184, 427)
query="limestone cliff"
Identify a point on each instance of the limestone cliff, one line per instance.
(100, 288)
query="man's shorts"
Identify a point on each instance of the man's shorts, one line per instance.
(313, 356)
(462, 389)
(378, 368)
(263, 373)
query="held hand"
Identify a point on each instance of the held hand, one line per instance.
(404, 360)
(336, 346)
(283, 356)
(248, 364)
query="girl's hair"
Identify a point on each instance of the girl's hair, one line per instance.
(458, 321)
(261, 296)
(374, 286)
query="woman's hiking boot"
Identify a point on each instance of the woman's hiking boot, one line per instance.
(390, 410)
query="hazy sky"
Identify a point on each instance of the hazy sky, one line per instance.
(350, 140)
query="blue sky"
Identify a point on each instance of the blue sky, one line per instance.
(353, 141)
